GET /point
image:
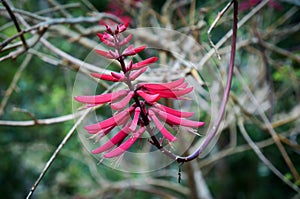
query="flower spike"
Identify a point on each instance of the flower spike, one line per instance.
(137, 106)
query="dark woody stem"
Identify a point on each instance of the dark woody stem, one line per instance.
(143, 115)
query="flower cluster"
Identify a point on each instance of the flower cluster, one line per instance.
(138, 105)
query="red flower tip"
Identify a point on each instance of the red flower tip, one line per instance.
(121, 28)
(101, 99)
(144, 63)
(121, 104)
(106, 41)
(136, 74)
(161, 127)
(174, 89)
(129, 51)
(126, 40)
(173, 111)
(174, 120)
(108, 29)
(135, 120)
(106, 54)
(105, 77)
(148, 97)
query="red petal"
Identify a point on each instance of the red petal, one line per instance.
(137, 73)
(101, 99)
(119, 137)
(126, 40)
(143, 63)
(148, 97)
(135, 120)
(117, 75)
(121, 104)
(112, 121)
(105, 41)
(126, 145)
(161, 127)
(132, 51)
(105, 77)
(164, 86)
(107, 36)
(173, 120)
(105, 54)
(173, 111)
(122, 28)
(108, 29)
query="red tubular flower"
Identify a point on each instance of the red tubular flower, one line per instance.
(101, 99)
(144, 63)
(126, 145)
(173, 111)
(135, 120)
(141, 99)
(161, 127)
(129, 51)
(122, 103)
(148, 97)
(174, 120)
(105, 77)
(118, 138)
(174, 89)
(126, 40)
(109, 55)
(113, 121)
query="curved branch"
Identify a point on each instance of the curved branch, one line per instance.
(217, 123)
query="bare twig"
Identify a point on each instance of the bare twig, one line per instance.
(270, 128)
(220, 14)
(47, 121)
(12, 16)
(229, 33)
(14, 82)
(263, 158)
(56, 152)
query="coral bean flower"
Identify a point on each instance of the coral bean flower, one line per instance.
(137, 106)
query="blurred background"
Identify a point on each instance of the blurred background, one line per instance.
(257, 153)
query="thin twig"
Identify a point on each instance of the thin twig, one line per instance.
(56, 152)
(14, 82)
(220, 14)
(229, 33)
(12, 16)
(47, 121)
(263, 158)
(269, 127)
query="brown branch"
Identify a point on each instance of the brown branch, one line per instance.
(269, 127)
(47, 121)
(263, 158)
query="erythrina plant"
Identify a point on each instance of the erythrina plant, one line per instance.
(138, 105)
